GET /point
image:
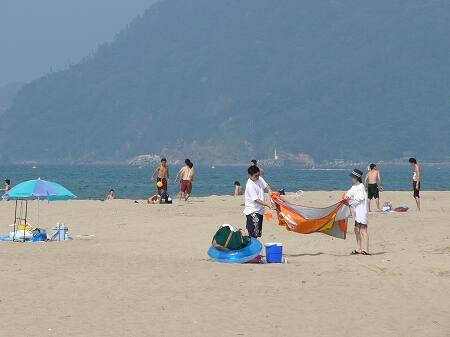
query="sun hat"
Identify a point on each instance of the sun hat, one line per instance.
(356, 174)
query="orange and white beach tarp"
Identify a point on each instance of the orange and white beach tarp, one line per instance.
(331, 220)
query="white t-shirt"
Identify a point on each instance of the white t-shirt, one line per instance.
(358, 202)
(254, 190)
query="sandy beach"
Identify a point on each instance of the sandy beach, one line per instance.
(146, 272)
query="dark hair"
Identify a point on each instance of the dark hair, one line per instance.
(163, 159)
(8, 181)
(237, 183)
(111, 190)
(254, 161)
(253, 170)
(187, 161)
(372, 166)
(412, 160)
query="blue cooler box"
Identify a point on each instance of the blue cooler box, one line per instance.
(274, 252)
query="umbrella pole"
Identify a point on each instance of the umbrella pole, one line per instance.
(15, 221)
(25, 225)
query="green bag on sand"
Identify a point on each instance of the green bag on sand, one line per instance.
(229, 238)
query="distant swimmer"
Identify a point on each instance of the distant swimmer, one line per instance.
(237, 188)
(186, 176)
(162, 175)
(373, 185)
(254, 162)
(416, 179)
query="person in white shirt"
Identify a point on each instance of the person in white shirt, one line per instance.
(357, 199)
(255, 201)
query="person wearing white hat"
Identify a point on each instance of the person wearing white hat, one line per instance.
(357, 199)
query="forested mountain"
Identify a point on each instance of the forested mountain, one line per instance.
(229, 79)
(7, 94)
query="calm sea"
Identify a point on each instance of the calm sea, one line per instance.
(94, 181)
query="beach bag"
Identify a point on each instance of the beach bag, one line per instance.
(229, 238)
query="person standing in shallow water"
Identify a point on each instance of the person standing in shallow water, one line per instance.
(417, 172)
(373, 185)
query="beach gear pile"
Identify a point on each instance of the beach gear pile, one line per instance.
(162, 198)
(230, 245)
(387, 207)
(37, 189)
(331, 220)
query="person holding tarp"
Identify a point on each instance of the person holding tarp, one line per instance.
(255, 201)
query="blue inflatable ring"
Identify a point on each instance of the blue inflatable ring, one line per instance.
(242, 255)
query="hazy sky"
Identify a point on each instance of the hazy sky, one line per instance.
(38, 34)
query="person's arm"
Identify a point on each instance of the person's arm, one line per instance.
(264, 203)
(417, 169)
(168, 176)
(380, 182)
(268, 190)
(178, 176)
(154, 172)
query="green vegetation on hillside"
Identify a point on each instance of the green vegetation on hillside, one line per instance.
(229, 79)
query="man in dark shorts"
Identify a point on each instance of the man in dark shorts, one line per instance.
(255, 201)
(416, 180)
(373, 185)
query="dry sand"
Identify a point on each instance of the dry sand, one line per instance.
(146, 273)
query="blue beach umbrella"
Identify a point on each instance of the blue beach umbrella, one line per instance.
(38, 189)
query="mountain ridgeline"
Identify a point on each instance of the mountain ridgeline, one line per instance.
(223, 80)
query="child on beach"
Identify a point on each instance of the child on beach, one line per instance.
(416, 180)
(357, 199)
(111, 195)
(7, 186)
(254, 201)
(237, 188)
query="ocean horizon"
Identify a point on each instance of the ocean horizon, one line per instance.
(131, 182)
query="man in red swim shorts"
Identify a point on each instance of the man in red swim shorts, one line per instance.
(186, 176)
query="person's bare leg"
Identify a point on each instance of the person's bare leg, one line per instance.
(377, 200)
(186, 197)
(364, 238)
(417, 203)
(369, 204)
(181, 194)
(358, 238)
